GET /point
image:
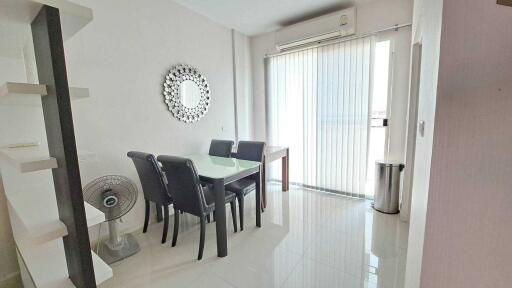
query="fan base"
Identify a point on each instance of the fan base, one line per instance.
(128, 248)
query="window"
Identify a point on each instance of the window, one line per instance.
(325, 103)
(318, 105)
(380, 92)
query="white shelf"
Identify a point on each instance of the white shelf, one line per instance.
(14, 88)
(27, 94)
(102, 271)
(21, 94)
(37, 219)
(94, 216)
(28, 159)
(47, 266)
(78, 93)
(36, 158)
(73, 16)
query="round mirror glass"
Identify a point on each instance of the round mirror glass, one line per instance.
(186, 93)
(190, 95)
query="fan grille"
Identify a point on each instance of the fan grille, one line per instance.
(111, 185)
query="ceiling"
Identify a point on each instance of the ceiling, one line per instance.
(253, 17)
(250, 17)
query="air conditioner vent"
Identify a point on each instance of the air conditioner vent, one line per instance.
(334, 25)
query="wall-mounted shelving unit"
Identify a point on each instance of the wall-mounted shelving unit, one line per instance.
(37, 219)
(37, 228)
(27, 94)
(11, 89)
(28, 159)
(49, 225)
(38, 233)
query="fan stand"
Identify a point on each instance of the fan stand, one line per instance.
(115, 196)
(117, 248)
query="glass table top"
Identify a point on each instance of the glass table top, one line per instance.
(220, 167)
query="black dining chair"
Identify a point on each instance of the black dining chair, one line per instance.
(252, 151)
(221, 148)
(153, 186)
(189, 196)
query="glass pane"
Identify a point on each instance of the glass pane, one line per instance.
(381, 79)
(375, 152)
(376, 149)
(318, 106)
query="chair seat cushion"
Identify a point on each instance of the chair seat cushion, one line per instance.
(242, 186)
(210, 197)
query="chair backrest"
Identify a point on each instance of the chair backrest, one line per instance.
(184, 184)
(221, 148)
(151, 178)
(251, 150)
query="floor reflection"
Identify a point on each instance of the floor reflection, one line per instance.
(308, 239)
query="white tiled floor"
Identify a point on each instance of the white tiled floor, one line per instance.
(308, 239)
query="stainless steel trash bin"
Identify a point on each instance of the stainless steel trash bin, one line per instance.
(387, 186)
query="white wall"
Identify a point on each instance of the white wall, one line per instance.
(261, 45)
(123, 56)
(469, 215)
(428, 16)
(244, 86)
(412, 113)
(398, 108)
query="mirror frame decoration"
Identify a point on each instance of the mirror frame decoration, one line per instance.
(173, 80)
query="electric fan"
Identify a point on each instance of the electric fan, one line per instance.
(115, 196)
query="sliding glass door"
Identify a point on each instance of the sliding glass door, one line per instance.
(318, 104)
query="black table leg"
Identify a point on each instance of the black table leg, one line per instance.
(264, 187)
(258, 197)
(220, 217)
(159, 216)
(285, 163)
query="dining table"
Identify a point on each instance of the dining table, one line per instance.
(218, 172)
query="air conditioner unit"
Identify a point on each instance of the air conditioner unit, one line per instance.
(330, 26)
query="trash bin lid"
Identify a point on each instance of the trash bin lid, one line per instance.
(389, 162)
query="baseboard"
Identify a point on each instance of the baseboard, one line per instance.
(11, 281)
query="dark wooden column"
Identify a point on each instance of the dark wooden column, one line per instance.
(51, 68)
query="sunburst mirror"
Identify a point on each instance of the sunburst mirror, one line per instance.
(187, 93)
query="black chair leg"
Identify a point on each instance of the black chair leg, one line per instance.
(176, 227)
(208, 218)
(159, 217)
(233, 214)
(241, 209)
(166, 223)
(213, 216)
(146, 218)
(201, 238)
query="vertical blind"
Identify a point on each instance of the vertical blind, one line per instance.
(318, 104)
